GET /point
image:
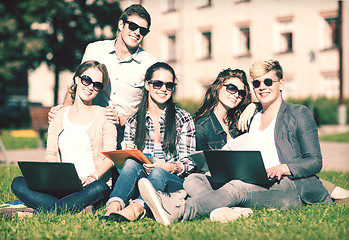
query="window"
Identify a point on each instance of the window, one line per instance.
(284, 38)
(169, 5)
(290, 90)
(331, 33)
(242, 45)
(203, 3)
(206, 45)
(241, 1)
(331, 84)
(329, 30)
(286, 42)
(171, 46)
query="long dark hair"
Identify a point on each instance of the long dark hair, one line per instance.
(212, 96)
(169, 141)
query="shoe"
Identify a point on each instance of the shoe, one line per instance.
(24, 214)
(166, 208)
(226, 214)
(104, 218)
(14, 212)
(342, 201)
(87, 210)
(339, 193)
(115, 217)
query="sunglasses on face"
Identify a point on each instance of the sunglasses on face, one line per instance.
(157, 84)
(267, 82)
(86, 81)
(231, 88)
(134, 26)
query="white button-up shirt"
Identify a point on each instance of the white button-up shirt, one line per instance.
(124, 91)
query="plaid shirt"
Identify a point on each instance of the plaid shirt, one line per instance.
(185, 142)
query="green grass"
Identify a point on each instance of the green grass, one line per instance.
(321, 221)
(339, 137)
(11, 142)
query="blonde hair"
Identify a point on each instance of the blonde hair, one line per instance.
(262, 67)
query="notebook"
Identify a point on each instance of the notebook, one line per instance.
(51, 177)
(119, 157)
(246, 166)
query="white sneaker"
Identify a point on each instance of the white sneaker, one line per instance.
(226, 214)
(166, 208)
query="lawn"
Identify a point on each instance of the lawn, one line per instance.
(21, 139)
(339, 137)
(25, 139)
(322, 221)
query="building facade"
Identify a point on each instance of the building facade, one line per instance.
(199, 38)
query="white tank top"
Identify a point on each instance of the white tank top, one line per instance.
(75, 146)
(264, 141)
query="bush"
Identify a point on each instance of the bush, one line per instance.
(325, 111)
(189, 105)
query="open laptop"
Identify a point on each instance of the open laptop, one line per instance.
(198, 158)
(51, 177)
(246, 166)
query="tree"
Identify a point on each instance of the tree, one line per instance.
(18, 47)
(51, 31)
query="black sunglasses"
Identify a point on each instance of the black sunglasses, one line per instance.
(157, 84)
(134, 26)
(267, 82)
(231, 88)
(86, 81)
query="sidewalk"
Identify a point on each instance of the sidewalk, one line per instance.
(335, 155)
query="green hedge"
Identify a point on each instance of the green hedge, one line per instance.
(325, 110)
(189, 105)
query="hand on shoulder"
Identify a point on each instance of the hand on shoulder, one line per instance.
(53, 112)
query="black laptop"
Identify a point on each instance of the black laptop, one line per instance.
(51, 177)
(246, 166)
(198, 158)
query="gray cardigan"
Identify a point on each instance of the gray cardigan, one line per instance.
(297, 144)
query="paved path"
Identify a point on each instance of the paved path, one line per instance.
(335, 155)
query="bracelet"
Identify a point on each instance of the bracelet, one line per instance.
(93, 175)
(175, 169)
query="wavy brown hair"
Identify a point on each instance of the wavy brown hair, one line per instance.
(82, 68)
(212, 96)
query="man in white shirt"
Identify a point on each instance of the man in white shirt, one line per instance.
(126, 62)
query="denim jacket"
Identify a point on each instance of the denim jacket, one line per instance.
(210, 134)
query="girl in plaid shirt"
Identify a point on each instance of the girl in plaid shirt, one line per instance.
(158, 128)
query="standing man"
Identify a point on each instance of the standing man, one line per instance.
(126, 62)
(287, 136)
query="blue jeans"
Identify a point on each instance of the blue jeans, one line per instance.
(203, 198)
(126, 186)
(74, 202)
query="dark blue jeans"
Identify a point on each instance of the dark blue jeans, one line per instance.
(74, 202)
(126, 187)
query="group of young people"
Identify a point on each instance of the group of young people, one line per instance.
(121, 97)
